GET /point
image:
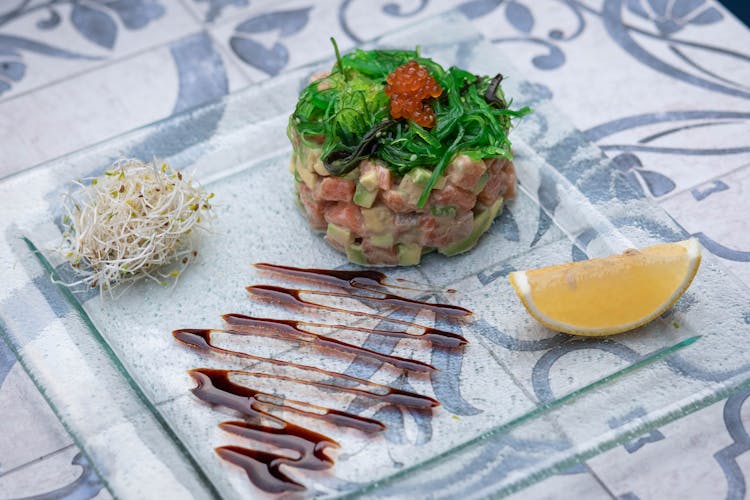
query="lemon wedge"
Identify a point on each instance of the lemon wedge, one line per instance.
(612, 294)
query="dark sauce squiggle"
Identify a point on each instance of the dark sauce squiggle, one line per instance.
(262, 468)
(248, 325)
(215, 388)
(261, 409)
(355, 280)
(292, 297)
(201, 339)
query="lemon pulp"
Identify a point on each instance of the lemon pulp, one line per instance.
(612, 294)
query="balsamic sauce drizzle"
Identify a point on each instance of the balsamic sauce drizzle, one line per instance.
(262, 467)
(354, 279)
(215, 388)
(201, 339)
(428, 334)
(248, 325)
(292, 297)
(260, 410)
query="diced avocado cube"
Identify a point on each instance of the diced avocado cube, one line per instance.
(352, 176)
(369, 180)
(377, 219)
(482, 222)
(382, 240)
(481, 183)
(354, 254)
(419, 176)
(443, 211)
(340, 235)
(363, 197)
(409, 254)
(307, 176)
(413, 184)
(313, 155)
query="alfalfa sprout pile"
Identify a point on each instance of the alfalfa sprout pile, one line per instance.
(137, 220)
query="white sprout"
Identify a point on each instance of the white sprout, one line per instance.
(132, 221)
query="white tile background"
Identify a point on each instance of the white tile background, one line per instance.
(63, 104)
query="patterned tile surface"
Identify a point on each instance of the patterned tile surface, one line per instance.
(701, 456)
(63, 474)
(51, 40)
(30, 429)
(724, 201)
(661, 86)
(126, 94)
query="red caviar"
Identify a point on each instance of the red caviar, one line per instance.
(409, 86)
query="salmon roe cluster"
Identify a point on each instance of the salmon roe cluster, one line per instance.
(409, 86)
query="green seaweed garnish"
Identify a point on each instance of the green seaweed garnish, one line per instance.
(349, 109)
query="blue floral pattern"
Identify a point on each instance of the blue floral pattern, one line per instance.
(671, 17)
(270, 61)
(92, 19)
(665, 22)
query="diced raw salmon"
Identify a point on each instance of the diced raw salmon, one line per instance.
(502, 182)
(345, 215)
(443, 231)
(454, 196)
(394, 218)
(379, 255)
(509, 180)
(335, 189)
(398, 201)
(381, 171)
(314, 209)
(465, 172)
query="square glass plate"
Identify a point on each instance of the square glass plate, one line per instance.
(519, 402)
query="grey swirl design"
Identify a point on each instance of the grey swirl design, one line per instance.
(94, 20)
(599, 132)
(394, 9)
(722, 251)
(7, 360)
(630, 164)
(522, 19)
(507, 226)
(639, 442)
(251, 52)
(671, 17)
(87, 485)
(700, 193)
(496, 336)
(345, 24)
(557, 34)
(524, 452)
(192, 55)
(549, 199)
(391, 415)
(611, 15)
(201, 72)
(216, 7)
(727, 457)
(489, 275)
(478, 8)
(540, 376)
(681, 151)
(446, 381)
